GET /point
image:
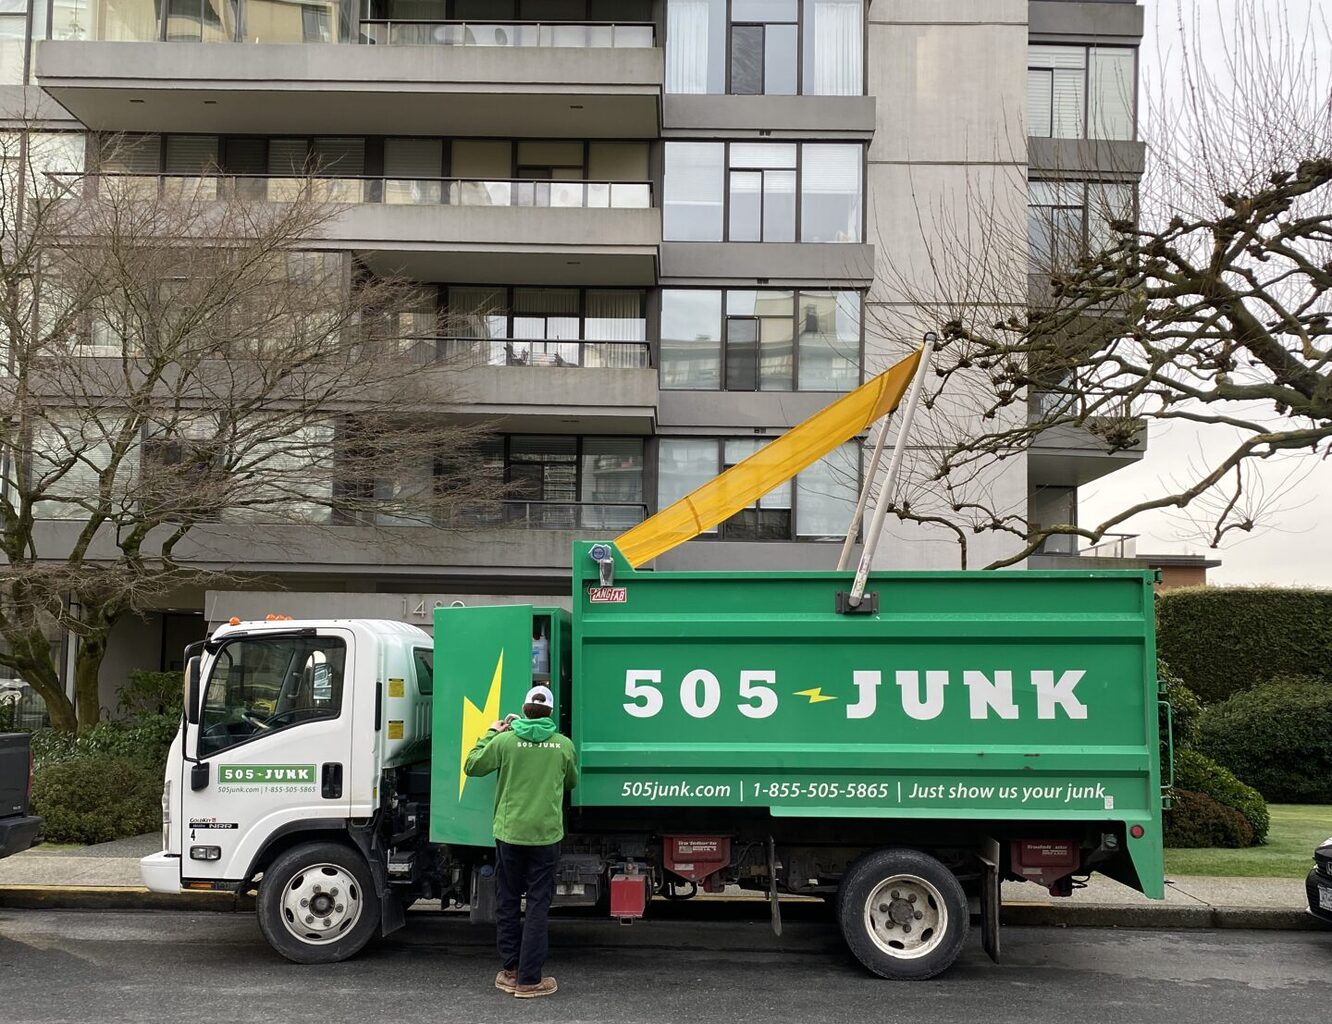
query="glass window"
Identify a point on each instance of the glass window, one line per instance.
(683, 465)
(297, 21)
(1055, 223)
(13, 45)
(423, 660)
(830, 193)
(696, 46)
(691, 338)
(68, 451)
(763, 199)
(612, 485)
(260, 685)
(747, 60)
(1107, 203)
(693, 191)
(834, 48)
(59, 153)
(123, 21)
(1076, 92)
(209, 21)
(763, 39)
(760, 341)
(1112, 78)
(826, 494)
(829, 324)
(769, 518)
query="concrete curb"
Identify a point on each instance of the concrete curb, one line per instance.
(1111, 916)
(114, 897)
(133, 897)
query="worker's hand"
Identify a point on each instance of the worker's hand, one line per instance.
(499, 725)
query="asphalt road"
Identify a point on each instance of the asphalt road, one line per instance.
(139, 967)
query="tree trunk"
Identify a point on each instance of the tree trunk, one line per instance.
(87, 669)
(32, 662)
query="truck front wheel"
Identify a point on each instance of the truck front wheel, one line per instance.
(903, 914)
(317, 903)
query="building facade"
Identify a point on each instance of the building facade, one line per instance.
(660, 232)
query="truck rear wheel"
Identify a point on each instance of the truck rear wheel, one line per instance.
(903, 914)
(317, 903)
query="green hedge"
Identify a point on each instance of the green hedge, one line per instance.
(1277, 738)
(146, 740)
(94, 798)
(1195, 820)
(1222, 640)
(1198, 773)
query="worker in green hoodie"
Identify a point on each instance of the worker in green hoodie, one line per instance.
(536, 767)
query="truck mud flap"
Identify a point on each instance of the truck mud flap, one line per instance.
(483, 895)
(989, 897)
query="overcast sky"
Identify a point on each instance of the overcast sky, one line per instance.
(1294, 544)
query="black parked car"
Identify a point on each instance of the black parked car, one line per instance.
(18, 828)
(1319, 883)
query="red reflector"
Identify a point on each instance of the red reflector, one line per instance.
(200, 885)
(1137, 831)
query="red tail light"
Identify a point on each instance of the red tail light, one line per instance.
(1137, 831)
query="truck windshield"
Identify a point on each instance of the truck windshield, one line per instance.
(260, 685)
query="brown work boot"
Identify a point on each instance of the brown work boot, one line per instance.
(544, 987)
(507, 981)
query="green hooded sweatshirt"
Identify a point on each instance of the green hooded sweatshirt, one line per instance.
(536, 766)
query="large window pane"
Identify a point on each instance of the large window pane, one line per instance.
(779, 60)
(297, 21)
(1040, 93)
(124, 21)
(769, 518)
(1110, 104)
(13, 32)
(830, 193)
(834, 48)
(612, 491)
(1055, 223)
(746, 206)
(691, 321)
(693, 186)
(779, 206)
(696, 46)
(684, 465)
(742, 356)
(829, 340)
(826, 494)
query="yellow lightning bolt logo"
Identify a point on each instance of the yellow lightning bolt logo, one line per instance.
(815, 695)
(475, 721)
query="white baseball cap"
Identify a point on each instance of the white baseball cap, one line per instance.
(540, 695)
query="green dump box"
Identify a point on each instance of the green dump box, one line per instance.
(1004, 700)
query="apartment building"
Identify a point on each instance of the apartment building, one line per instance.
(690, 224)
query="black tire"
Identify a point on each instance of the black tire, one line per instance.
(328, 876)
(919, 919)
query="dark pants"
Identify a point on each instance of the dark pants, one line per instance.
(523, 943)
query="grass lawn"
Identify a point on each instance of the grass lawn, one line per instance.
(1296, 830)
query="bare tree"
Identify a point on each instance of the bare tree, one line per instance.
(179, 353)
(1207, 304)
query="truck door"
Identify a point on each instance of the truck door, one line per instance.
(272, 747)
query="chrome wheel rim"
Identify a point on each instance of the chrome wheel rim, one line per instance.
(905, 916)
(321, 904)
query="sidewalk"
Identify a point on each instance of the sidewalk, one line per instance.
(106, 876)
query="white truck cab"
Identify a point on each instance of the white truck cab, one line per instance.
(289, 729)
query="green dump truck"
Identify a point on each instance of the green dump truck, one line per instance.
(900, 756)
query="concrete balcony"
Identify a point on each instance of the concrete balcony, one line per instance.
(1070, 455)
(454, 230)
(539, 387)
(808, 264)
(529, 541)
(407, 87)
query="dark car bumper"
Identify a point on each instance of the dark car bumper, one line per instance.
(1312, 885)
(17, 834)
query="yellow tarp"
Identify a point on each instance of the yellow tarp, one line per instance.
(773, 464)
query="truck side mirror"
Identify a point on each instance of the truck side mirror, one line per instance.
(193, 689)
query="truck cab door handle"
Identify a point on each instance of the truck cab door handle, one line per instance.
(330, 780)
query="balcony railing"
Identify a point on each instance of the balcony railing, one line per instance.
(389, 191)
(583, 35)
(474, 352)
(567, 515)
(1049, 405)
